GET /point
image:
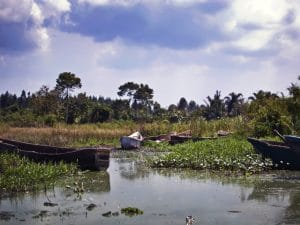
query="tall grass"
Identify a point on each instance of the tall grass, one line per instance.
(198, 127)
(110, 133)
(71, 135)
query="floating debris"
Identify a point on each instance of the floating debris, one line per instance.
(189, 220)
(50, 204)
(43, 213)
(91, 206)
(107, 214)
(234, 211)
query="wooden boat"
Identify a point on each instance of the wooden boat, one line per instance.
(160, 138)
(177, 139)
(293, 141)
(132, 141)
(282, 155)
(90, 158)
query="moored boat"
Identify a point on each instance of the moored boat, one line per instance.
(132, 141)
(177, 139)
(282, 155)
(91, 158)
(293, 141)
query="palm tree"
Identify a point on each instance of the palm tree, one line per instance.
(262, 95)
(214, 107)
(182, 104)
(232, 103)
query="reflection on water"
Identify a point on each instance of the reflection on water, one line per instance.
(166, 197)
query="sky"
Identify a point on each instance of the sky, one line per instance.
(180, 48)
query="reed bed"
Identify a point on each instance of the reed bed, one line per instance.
(110, 133)
(67, 135)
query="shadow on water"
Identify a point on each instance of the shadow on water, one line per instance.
(166, 196)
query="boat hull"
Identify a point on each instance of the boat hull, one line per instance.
(282, 155)
(86, 158)
(293, 141)
(178, 139)
(128, 143)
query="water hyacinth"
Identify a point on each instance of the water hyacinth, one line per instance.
(20, 174)
(229, 154)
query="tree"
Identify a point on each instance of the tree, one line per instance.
(65, 83)
(23, 100)
(192, 106)
(45, 102)
(129, 89)
(182, 104)
(262, 95)
(293, 103)
(233, 102)
(214, 107)
(140, 96)
(100, 113)
(121, 109)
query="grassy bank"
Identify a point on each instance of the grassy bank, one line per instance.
(19, 174)
(110, 133)
(228, 154)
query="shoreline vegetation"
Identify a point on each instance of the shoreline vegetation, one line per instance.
(55, 117)
(109, 133)
(18, 174)
(231, 154)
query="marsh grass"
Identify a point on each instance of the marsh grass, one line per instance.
(19, 174)
(110, 133)
(72, 135)
(230, 154)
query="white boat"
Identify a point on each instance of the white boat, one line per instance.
(132, 141)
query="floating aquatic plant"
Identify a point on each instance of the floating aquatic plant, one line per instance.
(231, 154)
(131, 211)
(20, 174)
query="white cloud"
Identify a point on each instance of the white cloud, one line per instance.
(267, 13)
(149, 2)
(193, 73)
(36, 14)
(59, 5)
(254, 40)
(256, 25)
(15, 10)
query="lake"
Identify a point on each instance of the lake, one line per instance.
(166, 196)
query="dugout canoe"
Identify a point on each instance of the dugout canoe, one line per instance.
(178, 139)
(89, 158)
(283, 155)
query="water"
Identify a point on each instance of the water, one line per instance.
(165, 197)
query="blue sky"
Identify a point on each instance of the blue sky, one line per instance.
(180, 48)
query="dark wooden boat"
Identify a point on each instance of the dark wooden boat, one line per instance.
(293, 141)
(282, 155)
(90, 158)
(178, 139)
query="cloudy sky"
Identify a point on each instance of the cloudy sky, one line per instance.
(180, 48)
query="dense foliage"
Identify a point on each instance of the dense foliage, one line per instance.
(261, 113)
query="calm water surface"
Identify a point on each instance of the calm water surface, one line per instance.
(165, 196)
